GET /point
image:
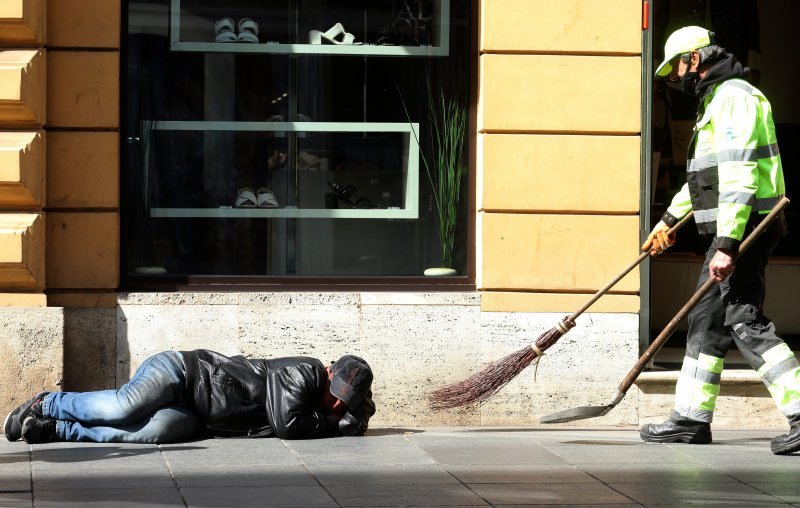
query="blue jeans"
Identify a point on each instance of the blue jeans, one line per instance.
(150, 408)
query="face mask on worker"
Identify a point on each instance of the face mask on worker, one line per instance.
(689, 83)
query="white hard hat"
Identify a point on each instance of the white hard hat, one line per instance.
(682, 41)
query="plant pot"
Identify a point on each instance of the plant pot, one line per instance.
(439, 272)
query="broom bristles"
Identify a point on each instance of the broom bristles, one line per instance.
(482, 385)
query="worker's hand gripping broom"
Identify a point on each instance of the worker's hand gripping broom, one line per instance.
(581, 413)
(487, 382)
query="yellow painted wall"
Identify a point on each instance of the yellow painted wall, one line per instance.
(49, 81)
(559, 120)
(83, 98)
(563, 252)
(22, 22)
(23, 71)
(564, 26)
(530, 172)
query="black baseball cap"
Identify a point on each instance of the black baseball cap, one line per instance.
(352, 379)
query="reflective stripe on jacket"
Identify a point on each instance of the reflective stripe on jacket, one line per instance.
(733, 166)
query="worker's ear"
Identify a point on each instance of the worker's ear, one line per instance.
(695, 60)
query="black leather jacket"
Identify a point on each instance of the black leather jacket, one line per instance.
(264, 398)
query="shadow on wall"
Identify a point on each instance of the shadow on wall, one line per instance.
(95, 349)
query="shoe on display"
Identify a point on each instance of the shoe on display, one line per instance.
(307, 161)
(266, 198)
(246, 198)
(12, 426)
(334, 35)
(677, 431)
(787, 443)
(39, 430)
(248, 31)
(223, 30)
(344, 193)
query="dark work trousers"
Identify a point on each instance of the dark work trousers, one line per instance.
(732, 312)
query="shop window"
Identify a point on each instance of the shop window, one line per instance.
(289, 141)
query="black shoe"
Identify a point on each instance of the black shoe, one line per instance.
(680, 431)
(12, 427)
(39, 430)
(787, 443)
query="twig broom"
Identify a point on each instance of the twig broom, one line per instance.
(482, 385)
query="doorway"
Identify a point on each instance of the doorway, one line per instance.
(759, 33)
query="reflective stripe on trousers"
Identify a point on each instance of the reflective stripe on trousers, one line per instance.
(731, 312)
(781, 375)
(698, 387)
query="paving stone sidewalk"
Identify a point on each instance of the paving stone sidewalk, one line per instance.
(406, 467)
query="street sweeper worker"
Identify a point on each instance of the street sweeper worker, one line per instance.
(734, 178)
(177, 396)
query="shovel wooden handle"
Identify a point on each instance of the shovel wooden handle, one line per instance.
(700, 293)
(623, 273)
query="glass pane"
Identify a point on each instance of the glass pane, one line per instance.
(295, 138)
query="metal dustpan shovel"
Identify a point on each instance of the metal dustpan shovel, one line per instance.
(581, 413)
(584, 412)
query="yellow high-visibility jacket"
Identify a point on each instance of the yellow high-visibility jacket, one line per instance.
(733, 166)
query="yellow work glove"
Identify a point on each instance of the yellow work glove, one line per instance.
(659, 240)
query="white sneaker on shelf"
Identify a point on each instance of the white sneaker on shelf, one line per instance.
(248, 31)
(223, 30)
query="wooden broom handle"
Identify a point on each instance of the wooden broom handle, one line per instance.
(700, 293)
(624, 272)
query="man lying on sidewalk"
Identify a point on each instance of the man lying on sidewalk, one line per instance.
(177, 396)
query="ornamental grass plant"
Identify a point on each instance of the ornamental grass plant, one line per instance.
(445, 167)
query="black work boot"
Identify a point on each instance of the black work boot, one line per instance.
(677, 431)
(39, 430)
(12, 426)
(787, 443)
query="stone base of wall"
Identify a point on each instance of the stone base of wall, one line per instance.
(31, 353)
(415, 342)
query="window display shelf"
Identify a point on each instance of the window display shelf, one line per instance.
(310, 49)
(283, 213)
(192, 33)
(409, 165)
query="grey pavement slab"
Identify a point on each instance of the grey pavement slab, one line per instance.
(788, 491)
(109, 498)
(15, 469)
(72, 478)
(14, 477)
(563, 466)
(257, 497)
(16, 499)
(362, 475)
(690, 472)
(447, 494)
(244, 474)
(596, 494)
(692, 494)
(110, 455)
(515, 473)
(230, 451)
(378, 450)
(485, 449)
